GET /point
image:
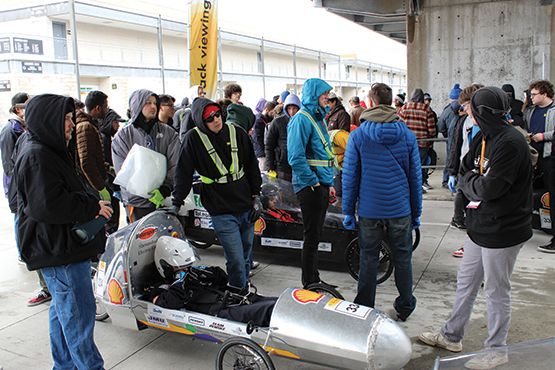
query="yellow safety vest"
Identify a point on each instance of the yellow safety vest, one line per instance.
(233, 174)
(330, 162)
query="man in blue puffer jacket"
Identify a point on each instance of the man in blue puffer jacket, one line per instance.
(311, 159)
(382, 173)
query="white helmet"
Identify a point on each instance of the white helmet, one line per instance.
(173, 253)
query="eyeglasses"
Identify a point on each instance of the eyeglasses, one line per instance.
(211, 118)
(534, 94)
(464, 105)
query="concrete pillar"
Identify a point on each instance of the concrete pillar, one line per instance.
(490, 42)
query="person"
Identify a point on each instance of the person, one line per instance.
(496, 176)
(445, 126)
(204, 289)
(338, 140)
(463, 131)
(260, 106)
(224, 158)
(283, 96)
(79, 105)
(382, 179)
(51, 199)
(180, 115)
(428, 102)
(311, 160)
(233, 92)
(356, 111)
(539, 121)
(269, 203)
(516, 106)
(145, 130)
(109, 125)
(259, 131)
(337, 118)
(90, 152)
(419, 118)
(276, 141)
(167, 109)
(399, 102)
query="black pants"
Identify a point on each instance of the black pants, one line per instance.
(314, 204)
(460, 204)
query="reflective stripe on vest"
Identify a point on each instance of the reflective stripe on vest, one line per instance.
(227, 175)
(320, 162)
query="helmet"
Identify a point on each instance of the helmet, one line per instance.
(173, 253)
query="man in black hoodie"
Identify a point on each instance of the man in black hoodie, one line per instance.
(51, 198)
(496, 176)
(230, 183)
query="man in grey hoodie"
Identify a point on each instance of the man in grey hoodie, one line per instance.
(145, 130)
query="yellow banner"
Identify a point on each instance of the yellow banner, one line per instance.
(204, 45)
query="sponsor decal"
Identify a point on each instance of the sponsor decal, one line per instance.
(206, 223)
(545, 200)
(115, 292)
(306, 296)
(197, 222)
(259, 226)
(217, 326)
(196, 321)
(156, 320)
(157, 310)
(147, 232)
(102, 266)
(545, 218)
(143, 251)
(177, 316)
(191, 328)
(292, 244)
(202, 214)
(198, 203)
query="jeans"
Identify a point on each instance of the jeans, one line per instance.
(399, 235)
(423, 158)
(72, 314)
(445, 172)
(314, 204)
(236, 234)
(495, 267)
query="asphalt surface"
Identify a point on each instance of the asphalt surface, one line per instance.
(24, 341)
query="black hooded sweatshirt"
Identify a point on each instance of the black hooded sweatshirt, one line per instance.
(218, 199)
(504, 216)
(51, 197)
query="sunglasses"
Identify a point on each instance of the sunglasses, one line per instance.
(211, 118)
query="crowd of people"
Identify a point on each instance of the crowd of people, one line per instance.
(60, 162)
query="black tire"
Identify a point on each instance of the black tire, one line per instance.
(325, 290)
(415, 238)
(352, 259)
(101, 313)
(199, 245)
(239, 353)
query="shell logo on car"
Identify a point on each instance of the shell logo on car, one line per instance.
(259, 226)
(545, 200)
(115, 292)
(306, 296)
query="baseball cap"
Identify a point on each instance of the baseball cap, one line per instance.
(427, 96)
(20, 99)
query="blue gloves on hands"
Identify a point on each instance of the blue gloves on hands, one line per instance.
(350, 222)
(415, 223)
(452, 183)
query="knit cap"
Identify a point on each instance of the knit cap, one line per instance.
(455, 92)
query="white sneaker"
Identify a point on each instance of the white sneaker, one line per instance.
(440, 341)
(488, 360)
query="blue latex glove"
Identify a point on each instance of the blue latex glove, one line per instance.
(350, 222)
(416, 224)
(452, 183)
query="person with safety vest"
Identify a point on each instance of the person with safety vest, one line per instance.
(223, 156)
(311, 159)
(338, 141)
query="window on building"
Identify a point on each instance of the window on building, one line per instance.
(60, 40)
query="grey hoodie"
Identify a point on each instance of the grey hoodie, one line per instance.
(161, 138)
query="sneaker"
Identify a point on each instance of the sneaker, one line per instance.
(20, 261)
(42, 297)
(440, 341)
(488, 360)
(549, 248)
(458, 225)
(254, 265)
(424, 191)
(427, 186)
(458, 253)
(396, 316)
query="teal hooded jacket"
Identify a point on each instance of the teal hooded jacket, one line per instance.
(303, 141)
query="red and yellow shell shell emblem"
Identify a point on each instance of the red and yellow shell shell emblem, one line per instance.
(259, 226)
(545, 200)
(115, 292)
(306, 296)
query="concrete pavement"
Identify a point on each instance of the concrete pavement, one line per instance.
(24, 342)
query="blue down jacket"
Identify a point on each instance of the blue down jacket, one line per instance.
(382, 168)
